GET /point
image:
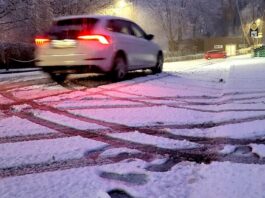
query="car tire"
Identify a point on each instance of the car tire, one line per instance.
(120, 68)
(159, 64)
(59, 78)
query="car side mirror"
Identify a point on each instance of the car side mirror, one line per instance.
(149, 37)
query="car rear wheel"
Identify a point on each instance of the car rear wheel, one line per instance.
(120, 68)
(58, 77)
(159, 65)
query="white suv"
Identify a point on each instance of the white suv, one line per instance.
(79, 44)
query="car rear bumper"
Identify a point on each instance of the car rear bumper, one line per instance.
(63, 62)
(73, 69)
(84, 54)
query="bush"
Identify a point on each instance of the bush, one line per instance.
(11, 52)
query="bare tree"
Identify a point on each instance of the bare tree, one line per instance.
(249, 14)
(24, 19)
(172, 18)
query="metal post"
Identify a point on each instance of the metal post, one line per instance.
(253, 12)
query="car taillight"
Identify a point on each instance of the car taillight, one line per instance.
(41, 40)
(100, 38)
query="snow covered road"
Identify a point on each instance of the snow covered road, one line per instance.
(196, 130)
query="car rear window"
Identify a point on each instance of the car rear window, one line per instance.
(119, 26)
(71, 28)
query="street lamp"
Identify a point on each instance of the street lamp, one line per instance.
(258, 21)
(121, 4)
(123, 8)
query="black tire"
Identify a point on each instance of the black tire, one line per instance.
(58, 77)
(159, 65)
(120, 68)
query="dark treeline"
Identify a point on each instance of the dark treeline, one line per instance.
(20, 20)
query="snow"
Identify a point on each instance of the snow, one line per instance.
(118, 94)
(228, 107)
(38, 91)
(137, 116)
(19, 108)
(22, 127)
(228, 149)
(160, 142)
(183, 180)
(66, 121)
(117, 151)
(221, 180)
(46, 151)
(17, 75)
(159, 161)
(86, 182)
(171, 86)
(188, 94)
(246, 130)
(62, 97)
(2, 115)
(103, 103)
(191, 65)
(258, 149)
(4, 100)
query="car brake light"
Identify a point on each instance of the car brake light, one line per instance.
(41, 40)
(100, 38)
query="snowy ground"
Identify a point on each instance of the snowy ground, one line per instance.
(196, 130)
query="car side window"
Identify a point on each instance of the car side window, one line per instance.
(137, 31)
(118, 26)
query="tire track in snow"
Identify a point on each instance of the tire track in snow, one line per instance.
(198, 155)
(92, 159)
(23, 84)
(25, 138)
